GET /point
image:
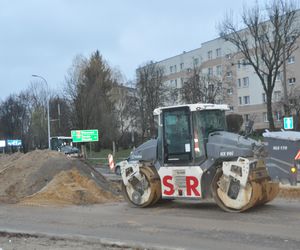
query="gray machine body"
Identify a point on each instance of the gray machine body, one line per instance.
(144, 152)
(282, 147)
(220, 146)
(225, 145)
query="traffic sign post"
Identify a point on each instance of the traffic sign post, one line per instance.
(85, 135)
(288, 123)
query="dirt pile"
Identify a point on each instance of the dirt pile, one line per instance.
(289, 192)
(46, 176)
(70, 187)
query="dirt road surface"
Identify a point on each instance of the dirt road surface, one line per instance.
(169, 225)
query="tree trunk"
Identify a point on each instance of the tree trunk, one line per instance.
(297, 121)
(270, 112)
(152, 127)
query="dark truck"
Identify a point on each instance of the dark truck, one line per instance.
(283, 159)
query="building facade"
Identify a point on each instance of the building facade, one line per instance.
(244, 93)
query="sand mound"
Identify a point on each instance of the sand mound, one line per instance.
(70, 187)
(289, 192)
(23, 175)
(5, 160)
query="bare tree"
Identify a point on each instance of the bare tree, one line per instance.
(73, 80)
(124, 99)
(38, 98)
(151, 94)
(265, 44)
(201, 88)
(293, 106)
(60, 116)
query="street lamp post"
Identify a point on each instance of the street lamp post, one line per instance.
(48, 108)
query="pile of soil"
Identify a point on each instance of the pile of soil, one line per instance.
(70, 187)
(289, 192)
(44, 176)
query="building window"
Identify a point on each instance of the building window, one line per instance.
(196, 61)
(291, 60)
(277, 96)
(245, 63)
(246, 99)
(209, 55)
(265, 117)
(277, 115)
(219, 70)
(229, 74)
(171, 69)
(229, 91)
(181, 66)
(278, 76)
(175, 68)
(238, 64)
(218, 52)
(173, 83)
(240, 100)
(210, 71)
(228, 56)
(264, 98)
(181, 81)
(246, 82)
(292, 80)
(239, 83)
(246, 117)
(231, 108)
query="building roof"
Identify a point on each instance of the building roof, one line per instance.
(194, 107)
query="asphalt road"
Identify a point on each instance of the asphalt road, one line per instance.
(167, 225)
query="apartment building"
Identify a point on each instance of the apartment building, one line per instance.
(245, 94)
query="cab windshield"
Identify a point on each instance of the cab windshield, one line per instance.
(209, 121)
(204, 123)
(185, 133)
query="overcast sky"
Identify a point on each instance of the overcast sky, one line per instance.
(43, 36)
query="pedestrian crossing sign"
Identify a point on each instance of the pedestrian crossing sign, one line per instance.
(288, 123)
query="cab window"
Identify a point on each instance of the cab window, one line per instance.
(177, 136)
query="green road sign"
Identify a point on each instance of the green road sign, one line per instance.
(288, 123)
(85, 135)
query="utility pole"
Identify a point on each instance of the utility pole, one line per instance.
(48, 108)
